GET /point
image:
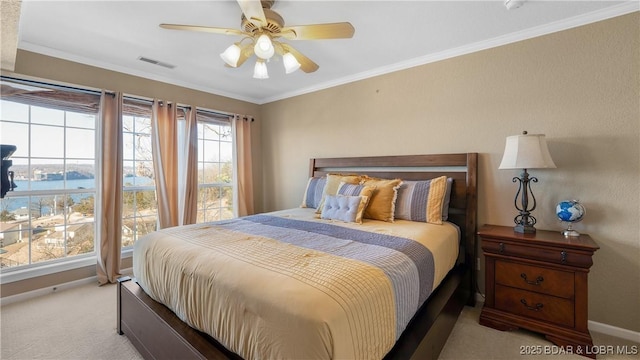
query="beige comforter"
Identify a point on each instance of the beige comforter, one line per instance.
(281, 286)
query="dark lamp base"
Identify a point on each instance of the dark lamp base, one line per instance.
(524, 229)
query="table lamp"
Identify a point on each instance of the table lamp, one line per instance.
(526, 151)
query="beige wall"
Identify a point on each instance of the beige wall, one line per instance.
(579, 87)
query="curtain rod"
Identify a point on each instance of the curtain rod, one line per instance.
(54, 86)
(98, 92)
(180, 106)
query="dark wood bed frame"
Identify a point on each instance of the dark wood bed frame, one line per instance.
(157, 333)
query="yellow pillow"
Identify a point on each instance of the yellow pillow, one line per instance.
(383, 200)
(332, 184)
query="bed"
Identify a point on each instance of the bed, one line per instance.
(299, 289)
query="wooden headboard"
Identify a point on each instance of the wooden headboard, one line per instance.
(461, 167)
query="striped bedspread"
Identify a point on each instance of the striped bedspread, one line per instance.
(286, 285)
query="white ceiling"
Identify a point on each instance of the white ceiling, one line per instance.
(389, 36)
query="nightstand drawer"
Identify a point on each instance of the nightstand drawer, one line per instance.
(557, 255)
(535, 305)
(547, 281)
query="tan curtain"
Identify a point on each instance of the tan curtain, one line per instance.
(164, 149)
(188, 199)
(241, 126)
(108, 247)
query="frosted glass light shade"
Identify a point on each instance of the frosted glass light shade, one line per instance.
(290, 62)
(260, 70)
(527, 151)
(264, 48)
(231, 55)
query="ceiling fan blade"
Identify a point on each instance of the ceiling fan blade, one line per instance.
(307, 65)
(341, 30)
(209, 29)
(252, 10)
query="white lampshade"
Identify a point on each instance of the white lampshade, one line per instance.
(526, 152)
(290, 62)
(231, 55)
(264, 48)
(260, 70)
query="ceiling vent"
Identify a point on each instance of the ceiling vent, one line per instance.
(156, 62)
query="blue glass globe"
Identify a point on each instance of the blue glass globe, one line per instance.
(570, 211)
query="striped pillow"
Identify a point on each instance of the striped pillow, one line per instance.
(313, 192)
(354, 189)
(422, 200)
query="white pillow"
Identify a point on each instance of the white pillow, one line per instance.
(344, 208)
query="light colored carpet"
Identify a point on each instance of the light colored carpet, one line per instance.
(80, 323)
(469, 340)
(76, 323)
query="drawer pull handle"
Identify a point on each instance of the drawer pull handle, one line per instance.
(501, 248)
(563, 256)
(533, 308)
(539, 279)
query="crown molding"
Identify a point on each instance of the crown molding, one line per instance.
(566, 24)
(47, 51)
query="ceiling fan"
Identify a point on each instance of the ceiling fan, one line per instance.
(264, 29)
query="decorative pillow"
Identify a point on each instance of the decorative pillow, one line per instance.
(383, 200)
(355, 190)
(344, 208)
(313, 192)
(333, 181)
(422, 200)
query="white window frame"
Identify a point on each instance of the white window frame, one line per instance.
(220, 185)
(31, 270)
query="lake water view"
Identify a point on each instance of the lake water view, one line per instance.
(14, 201)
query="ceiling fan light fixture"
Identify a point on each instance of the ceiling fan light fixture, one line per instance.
(231, 55)
(263, 28)
(264, 47)
(260, 70)
(290, 62)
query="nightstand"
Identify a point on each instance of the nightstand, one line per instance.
(538, 282)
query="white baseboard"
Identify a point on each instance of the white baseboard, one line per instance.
(595, 326)
(614, 331)
(48, 290)
(55, 288)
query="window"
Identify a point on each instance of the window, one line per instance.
(50, 215)
(215, 169)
